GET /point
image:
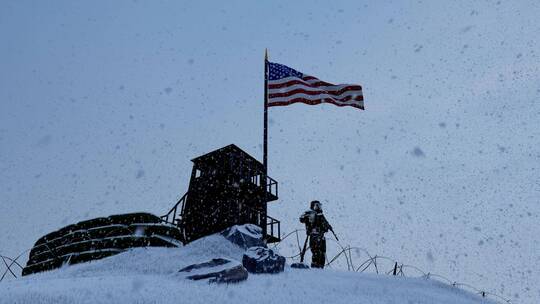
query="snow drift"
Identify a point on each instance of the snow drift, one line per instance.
(150, 275)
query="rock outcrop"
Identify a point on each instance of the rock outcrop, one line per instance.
(218, 270)
(245, 236)
(263, 260)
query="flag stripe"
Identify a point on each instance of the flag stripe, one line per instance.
(350, 90)
(285, 82)
(315, 102)
(308, 88)
(316, 82)
(322, 96)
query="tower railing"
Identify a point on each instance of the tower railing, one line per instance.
(271, 186)
(273, 226)
(177, 211)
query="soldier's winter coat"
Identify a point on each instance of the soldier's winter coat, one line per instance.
(316, 227)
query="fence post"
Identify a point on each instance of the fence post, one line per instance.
(395, 269)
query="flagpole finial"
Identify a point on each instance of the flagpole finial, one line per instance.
(265, 54)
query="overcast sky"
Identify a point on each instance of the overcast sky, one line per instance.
(103, 104)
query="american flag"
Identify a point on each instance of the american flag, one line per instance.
(287, 86)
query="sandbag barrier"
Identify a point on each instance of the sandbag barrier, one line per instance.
(99, 238)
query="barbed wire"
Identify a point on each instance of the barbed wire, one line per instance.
(373, 263)
(13, 263)
(396, 270)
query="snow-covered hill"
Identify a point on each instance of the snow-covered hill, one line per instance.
(151, 276)
(102, 104)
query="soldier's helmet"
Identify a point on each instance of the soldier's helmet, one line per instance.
(316, 205)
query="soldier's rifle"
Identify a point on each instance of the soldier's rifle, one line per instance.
(334, 234)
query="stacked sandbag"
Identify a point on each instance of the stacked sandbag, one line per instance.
(99, 238)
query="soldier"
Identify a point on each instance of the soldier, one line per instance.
(316, 227)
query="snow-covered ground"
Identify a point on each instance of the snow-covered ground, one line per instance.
(151, 276)
(103, 104)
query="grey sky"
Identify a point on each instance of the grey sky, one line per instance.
(103, 103)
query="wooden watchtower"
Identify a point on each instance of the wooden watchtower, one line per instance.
(227, 187)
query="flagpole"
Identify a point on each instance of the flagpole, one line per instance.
(265, 141)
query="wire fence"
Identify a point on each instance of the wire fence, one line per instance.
(370, 263)
(11, 266)
(384, 265)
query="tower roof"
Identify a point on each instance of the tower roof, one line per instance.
(229, 151)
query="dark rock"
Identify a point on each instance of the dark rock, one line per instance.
(299, 266)
(245, 236)
(263, 260)
(209, 264)
(217, 271)
(231, 275)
